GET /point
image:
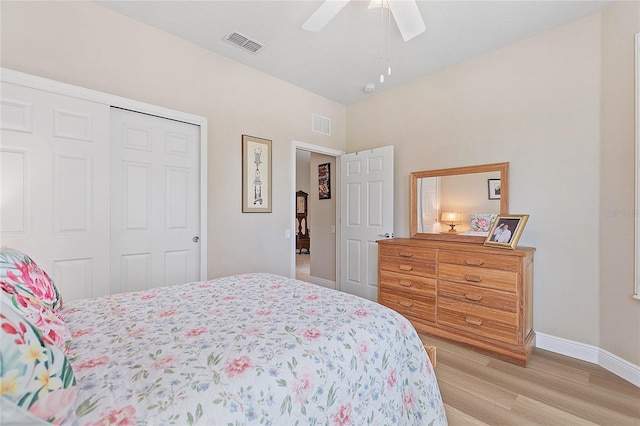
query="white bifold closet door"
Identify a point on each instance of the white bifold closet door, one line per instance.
(155, 201)
(54, 186)
(105, 200)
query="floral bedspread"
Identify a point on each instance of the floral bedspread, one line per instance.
(248, 349)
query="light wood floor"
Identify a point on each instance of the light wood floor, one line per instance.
(552, 390)
(302, 266)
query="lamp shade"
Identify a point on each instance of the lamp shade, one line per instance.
(451, 216)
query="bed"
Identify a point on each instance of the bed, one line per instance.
(246, 349)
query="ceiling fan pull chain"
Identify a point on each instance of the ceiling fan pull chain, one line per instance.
(382, 41)
(389, 34)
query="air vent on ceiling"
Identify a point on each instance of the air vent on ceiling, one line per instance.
(320, 124)
(244, 42)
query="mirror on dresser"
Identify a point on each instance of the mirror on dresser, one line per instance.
(472, 192)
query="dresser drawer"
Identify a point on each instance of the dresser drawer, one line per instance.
(409, 305)
(392, 281)
(407, 252)
(478, 296)
(408, 266)
(488, 278)
(491, 323)
(482, 260)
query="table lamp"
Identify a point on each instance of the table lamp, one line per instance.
(451, 218)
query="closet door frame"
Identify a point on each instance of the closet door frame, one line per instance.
(35, 82)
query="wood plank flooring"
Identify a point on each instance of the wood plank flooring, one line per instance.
(552, 390)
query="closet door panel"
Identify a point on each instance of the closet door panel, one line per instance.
(55, 159)
(155, 201)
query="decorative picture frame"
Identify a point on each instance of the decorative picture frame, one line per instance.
(256, 175)
(506, 231)
(324, 181)
(494, 187)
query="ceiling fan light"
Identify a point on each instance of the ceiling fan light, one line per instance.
(408, 18)
(323, 14)
(376, 4)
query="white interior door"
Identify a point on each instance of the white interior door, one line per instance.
(155, 201)
(366, 199)
(54, 167)
(428, 207)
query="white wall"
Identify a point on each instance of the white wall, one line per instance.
(85, 44)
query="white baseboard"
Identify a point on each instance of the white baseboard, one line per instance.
(605, 359)
(322, 282)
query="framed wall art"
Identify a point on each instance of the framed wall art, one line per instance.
(506, 231)
(256, 175)
(324, 181)
(494, 189)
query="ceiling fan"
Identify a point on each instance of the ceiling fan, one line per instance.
(405, 13)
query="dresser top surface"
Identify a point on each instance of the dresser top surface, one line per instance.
(447, 245)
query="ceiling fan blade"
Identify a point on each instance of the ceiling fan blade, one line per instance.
(407, 17)
(323, 14)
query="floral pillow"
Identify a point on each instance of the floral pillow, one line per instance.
(20, 270)
(50, 324)
(36, 376)
(481, 222)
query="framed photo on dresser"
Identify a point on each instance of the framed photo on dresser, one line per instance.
(506, 231)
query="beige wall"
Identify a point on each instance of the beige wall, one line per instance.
(537, 104)
(619, 314)
(323, 240)
(556, 106)
(303, 170)
(87, 45)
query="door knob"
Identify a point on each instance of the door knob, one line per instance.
(196, 239)
(387, 235)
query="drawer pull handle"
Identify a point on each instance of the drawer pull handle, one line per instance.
(406, 283)
(406, 267)
(473, 321)
(405, 254)
(474, 297)
(473, 278)
(405, 304)
(476, 262)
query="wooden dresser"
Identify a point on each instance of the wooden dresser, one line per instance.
(466, 292)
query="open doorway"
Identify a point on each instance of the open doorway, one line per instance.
(301, 229)
(318, 264)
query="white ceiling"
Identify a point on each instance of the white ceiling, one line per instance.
(344, 56)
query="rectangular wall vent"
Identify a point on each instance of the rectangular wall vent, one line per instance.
(320, 124)
(244, 42)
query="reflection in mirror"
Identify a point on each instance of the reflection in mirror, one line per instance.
(463, 190)
(466, 194)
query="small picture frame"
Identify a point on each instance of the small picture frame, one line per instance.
(324, 181)
(256, 175)
(494, 189)
(506, 231)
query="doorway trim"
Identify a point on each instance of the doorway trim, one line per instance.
(53, 86)
(303, 146)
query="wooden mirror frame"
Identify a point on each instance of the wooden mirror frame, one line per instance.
(503, 168)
